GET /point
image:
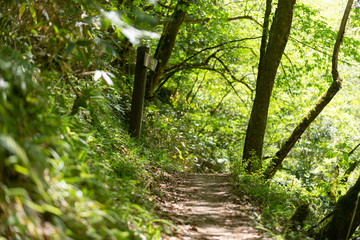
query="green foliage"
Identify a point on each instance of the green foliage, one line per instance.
(49, 166)
(66, 171)
(69, 170)
(277, 204)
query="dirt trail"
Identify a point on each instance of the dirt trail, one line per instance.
(203, 206)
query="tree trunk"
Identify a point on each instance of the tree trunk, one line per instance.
(301, 127)
(345, 218)
(278, 37)
(166, 45)
(319, 106)
(265, 34)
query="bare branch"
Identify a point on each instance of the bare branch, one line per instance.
(219, 71)
(213, 111)
(292, 65)
(228, 19)
(232, 76)
(354, 149)
(339, 40)
(314, 48)
(230, 83)
(209, 48)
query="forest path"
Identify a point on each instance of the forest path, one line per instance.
(203, 206)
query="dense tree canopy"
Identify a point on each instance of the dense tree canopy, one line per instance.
(266, 90)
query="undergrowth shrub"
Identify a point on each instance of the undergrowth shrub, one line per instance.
(64, 174)
(278, 202)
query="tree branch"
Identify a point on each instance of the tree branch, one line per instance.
(168, 75)
(265, 34)
(228, 19)
(209, 48)
(232, 76)
(339, 40)
(315, 49)
(213, 111)
(292, 65)
(221, 73)
(317, 108)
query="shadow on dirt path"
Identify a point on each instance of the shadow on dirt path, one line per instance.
(203, 206)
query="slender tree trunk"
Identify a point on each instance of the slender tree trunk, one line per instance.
(278, 37)
(319, 106)
(166, 45)
(301, 127)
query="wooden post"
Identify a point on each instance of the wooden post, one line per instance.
(143, 61)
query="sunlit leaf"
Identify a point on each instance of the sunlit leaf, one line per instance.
(22, 9)
(97, 75)
(21, 169)
(33, 14)
(51, 209)
(130, 32)
(34, 206)
(107, 79)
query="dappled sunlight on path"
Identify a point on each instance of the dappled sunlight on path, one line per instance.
(203, 206)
